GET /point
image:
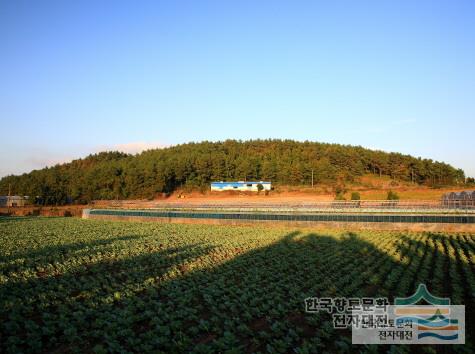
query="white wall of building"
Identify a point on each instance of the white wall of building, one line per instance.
(239, 186)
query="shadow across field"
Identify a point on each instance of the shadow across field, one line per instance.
(202, 298)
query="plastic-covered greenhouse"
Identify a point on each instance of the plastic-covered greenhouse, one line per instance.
(459, 199)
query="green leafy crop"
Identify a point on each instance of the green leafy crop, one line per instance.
(71, 285)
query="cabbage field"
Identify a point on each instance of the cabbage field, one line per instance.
(72, 285)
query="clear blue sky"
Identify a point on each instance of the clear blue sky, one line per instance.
(81, 76)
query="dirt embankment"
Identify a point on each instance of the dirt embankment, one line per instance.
(277, 197)
(70, 210)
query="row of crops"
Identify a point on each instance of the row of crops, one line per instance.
(72, 285)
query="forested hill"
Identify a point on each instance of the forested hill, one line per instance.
(111, 175)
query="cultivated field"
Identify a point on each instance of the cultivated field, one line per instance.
(71, 285)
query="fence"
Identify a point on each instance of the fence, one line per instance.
(330, 206)
(355, 218)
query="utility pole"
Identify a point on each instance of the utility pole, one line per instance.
(8, 199)
(312, 177)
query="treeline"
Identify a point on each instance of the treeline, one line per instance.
(111, 175)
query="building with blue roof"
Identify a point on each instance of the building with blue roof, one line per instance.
(244, 186)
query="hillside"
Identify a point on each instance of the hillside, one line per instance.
(115, 175)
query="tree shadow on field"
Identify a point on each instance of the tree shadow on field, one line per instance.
(202, 298)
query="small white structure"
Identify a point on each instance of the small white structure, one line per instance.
(13, 200)
(250, 186)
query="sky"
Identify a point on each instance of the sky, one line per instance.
(79, 77)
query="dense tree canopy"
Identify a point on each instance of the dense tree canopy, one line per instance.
(111, 175)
